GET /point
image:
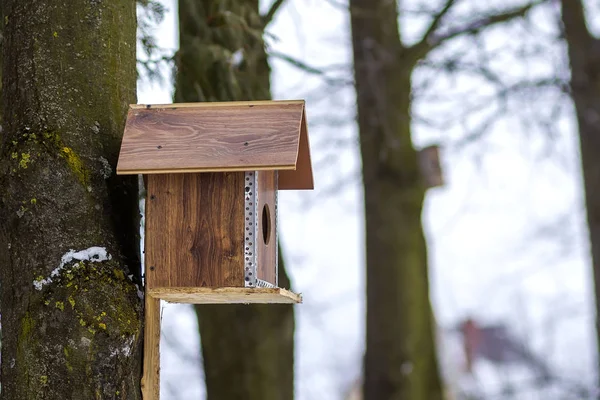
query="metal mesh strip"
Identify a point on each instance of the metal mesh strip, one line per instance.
(250, 258)
(264, 284)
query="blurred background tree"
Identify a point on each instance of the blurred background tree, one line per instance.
(400, 359)
(584, 57)
(247, 350)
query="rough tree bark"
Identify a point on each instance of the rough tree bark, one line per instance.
(71, 317)
(400, 360)
(248, 350)
(584, 57)
(1, 41)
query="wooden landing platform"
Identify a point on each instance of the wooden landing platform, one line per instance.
(228, 295)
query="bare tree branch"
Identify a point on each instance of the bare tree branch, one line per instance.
(311, 70)
(432, 38)
(268, 17)
(479, 24)
(297, 63)
(436, 21)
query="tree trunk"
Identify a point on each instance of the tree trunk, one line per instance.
(248, 350)
(400, 359)
(1, 41)
(584, 56)
(71, 317)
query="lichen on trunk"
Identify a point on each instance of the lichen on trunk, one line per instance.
(71, 315)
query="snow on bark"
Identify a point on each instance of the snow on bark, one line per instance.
(92, 254)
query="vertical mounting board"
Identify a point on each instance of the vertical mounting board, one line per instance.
(151, 368)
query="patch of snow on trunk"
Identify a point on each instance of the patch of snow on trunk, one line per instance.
(93, 254)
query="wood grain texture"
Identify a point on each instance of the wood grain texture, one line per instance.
(201, 138)
(212, 137)
(302, 177)
(151, 373)
(216, 104)
(194, 230)
(226, 295)
(267, 252)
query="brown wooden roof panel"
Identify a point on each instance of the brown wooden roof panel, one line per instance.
(302, 176)
(212, 137)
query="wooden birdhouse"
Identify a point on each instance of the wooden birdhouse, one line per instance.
(212, 172)
(431, 168)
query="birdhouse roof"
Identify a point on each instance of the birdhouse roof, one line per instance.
(219, 137)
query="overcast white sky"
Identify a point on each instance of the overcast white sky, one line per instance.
(507, 238)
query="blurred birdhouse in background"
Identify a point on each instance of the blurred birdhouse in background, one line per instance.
(213, 172)
(431, 169)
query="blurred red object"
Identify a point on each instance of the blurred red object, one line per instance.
(495, 344)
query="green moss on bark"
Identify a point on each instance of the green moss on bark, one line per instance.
(68, 77)
(30, 146)
(76, 165)
(98, 319)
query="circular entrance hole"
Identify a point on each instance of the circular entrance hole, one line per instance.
(266, 224)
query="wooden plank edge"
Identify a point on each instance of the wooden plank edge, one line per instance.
(219, 104)
(230, 295)
(302, 177)
(125, 171)
(151, 368)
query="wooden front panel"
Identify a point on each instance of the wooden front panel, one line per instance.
(267, 229)
(194, 225)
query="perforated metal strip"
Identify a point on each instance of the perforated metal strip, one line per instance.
(275, 230)
(250, 204)
(265, 284)
(255, 223)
